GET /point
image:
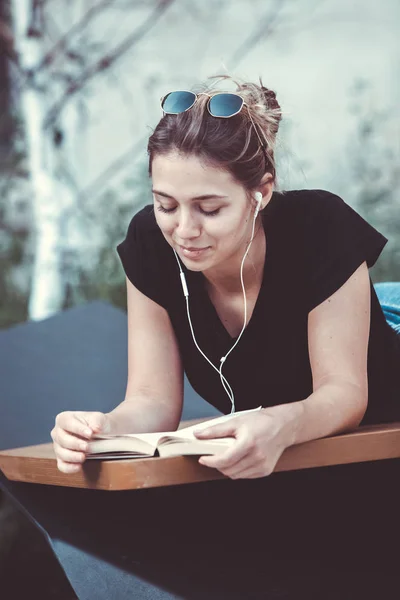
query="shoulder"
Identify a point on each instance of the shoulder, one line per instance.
(309, 208)
(144, 221)
(144, 231)
(325, 226)
(303, 199)
(143, 237)
(143, 254)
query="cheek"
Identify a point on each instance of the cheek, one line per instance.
(227, 234)
(165, 224)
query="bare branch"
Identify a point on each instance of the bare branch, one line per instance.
(61, 45)
(266, 26)
(125, 93)
(113, 168)
(36, 19)
(107, 61)
(7, 40)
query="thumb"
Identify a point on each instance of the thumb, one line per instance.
(217, 431)
(97, 421)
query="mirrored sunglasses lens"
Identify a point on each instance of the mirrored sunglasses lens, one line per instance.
(225, 105)
(177, 102)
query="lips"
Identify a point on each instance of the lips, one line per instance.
(193, 249)
(193, 253)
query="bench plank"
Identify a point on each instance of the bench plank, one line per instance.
(37, 464)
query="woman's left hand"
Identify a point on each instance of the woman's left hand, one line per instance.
(260, 439)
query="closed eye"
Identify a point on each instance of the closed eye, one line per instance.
(204, 212)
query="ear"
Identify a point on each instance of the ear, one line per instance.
(266, 187)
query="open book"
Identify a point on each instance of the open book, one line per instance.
(167, 443)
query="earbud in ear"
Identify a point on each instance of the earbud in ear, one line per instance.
(258, 198)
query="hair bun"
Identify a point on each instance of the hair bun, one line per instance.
(270, 100)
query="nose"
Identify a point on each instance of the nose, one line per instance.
(186, 226)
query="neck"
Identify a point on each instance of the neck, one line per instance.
(226, 278)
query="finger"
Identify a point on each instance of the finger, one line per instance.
(78, 427)
(70, 442)
(227, 459)
(240, 448)
(217, 431)
(244, 466)
(68, 455)
(71, 423)
(66, 467)
(254, 473)
(94, 420)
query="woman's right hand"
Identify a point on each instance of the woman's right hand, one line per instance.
(72, 432)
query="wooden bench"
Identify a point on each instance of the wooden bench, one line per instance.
(37, 464)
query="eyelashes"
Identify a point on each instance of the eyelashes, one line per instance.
(212, 213)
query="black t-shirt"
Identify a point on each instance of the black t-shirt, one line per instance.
(315, 242)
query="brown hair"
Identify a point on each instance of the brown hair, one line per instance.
(231, 144)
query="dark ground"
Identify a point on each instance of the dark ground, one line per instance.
(28, 569)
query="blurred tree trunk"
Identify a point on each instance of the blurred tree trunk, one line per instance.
(47, 289)
(6, 127)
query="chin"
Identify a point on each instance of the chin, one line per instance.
(199, 263)
(194, 266)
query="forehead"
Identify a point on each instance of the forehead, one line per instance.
(188, 172)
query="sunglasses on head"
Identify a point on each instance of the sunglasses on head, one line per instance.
(221, 104)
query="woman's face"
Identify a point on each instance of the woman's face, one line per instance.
(200, 207)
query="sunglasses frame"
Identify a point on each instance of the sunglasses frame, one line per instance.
(262, 143)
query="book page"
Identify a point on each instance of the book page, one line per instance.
(153, 439)
(150, 438)
(187, 432)
(195, 447)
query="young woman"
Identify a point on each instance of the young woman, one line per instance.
(263, 298)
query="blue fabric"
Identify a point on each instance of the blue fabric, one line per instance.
(388, 293)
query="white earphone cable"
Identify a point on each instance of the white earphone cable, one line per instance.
(186, 293)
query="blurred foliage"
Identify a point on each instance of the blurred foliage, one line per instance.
(105, 216)
(375, 171)
(13, 242)
(13, 303)
(104, 278)
(374, 174)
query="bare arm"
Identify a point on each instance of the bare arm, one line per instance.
(154, 392)
(142, 414)
(338, 333)
(335, 407)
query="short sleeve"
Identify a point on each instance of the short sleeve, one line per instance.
(140, 254)
(337, 241)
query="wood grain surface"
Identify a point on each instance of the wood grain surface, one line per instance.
(37, 464)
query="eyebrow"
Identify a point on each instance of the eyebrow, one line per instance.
(203, 197)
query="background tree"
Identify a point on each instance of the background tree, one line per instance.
(53, 76)
(13, 232)
(375, 173)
